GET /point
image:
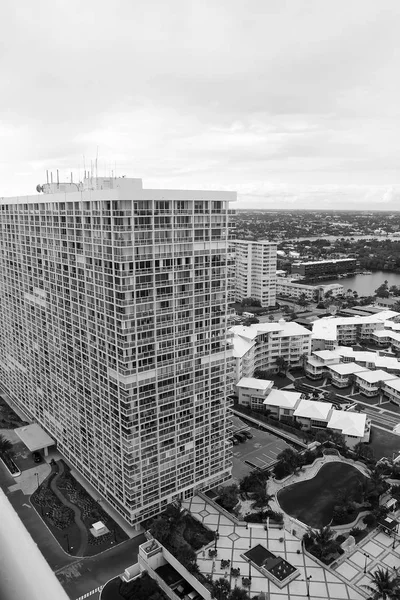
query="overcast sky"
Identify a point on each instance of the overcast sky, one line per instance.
(291, 103)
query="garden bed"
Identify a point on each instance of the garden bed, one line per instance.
(8, 417)
(91, 512)
(10, 465)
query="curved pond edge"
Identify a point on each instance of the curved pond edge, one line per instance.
(309, 472)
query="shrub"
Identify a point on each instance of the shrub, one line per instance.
(356, 532)
(340, 538)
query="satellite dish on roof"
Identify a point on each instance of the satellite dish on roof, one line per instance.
(39, 188)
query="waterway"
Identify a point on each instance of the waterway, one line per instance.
(365, 285)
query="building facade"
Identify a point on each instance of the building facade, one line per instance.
(113, 333)
(324, 268)
(285, 286)
(255, 271)
(258, 346)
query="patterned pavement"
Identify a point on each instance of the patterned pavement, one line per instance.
(234, 540)
(374, 551)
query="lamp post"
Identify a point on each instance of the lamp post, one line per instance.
(67, 538)
(216, 539)
(37, 476)
(365, 564)
(308, 585)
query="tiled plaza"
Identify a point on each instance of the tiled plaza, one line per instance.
(234, 540)
(375, 551)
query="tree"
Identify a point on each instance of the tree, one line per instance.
(229, 496)
(384, 585)
(363, 451)
(251, 302)
(239, 594)
(161, 529)
(5, 444)
(383, 290)
(220, 589)
(282, 363)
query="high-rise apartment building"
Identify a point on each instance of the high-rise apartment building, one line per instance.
(255, 271)
(113, 304)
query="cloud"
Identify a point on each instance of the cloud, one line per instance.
(263, 94)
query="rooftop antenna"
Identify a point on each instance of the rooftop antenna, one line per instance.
(97, 156)
(58, 179)
(47, 176)
(72, 179)
(51, 176)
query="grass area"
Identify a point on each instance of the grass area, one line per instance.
(391, 406)
(384, 443)
(312, 501)
(279, 381)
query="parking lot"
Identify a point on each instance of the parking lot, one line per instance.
(258, 452)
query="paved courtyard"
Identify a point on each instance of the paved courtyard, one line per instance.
(374, 551)
(234, 540)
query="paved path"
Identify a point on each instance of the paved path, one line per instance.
(234, 540)
(81, 526)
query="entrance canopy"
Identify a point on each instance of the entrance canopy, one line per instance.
(34, 437)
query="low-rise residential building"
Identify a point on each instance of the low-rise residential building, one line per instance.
(342, 374)
(311, 413)
(355, 427)
(391, 390)
(282, 403)
(369, 383)
(330, 332)
(258, 346)
(252, 392)
(287, 286)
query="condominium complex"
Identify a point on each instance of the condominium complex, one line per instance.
(322, 268)
(255, 271)
(330, 332)
(286, 287)
(258, 346)
(113, 333)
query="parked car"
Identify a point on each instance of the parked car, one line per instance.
(248, 434)
(37, 457)
(240, 437)
(234, 441)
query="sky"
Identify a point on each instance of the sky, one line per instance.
(292, 103)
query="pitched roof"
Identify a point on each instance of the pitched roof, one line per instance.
(255, 384)
(312, 409)
(349, 423)
(282, 398)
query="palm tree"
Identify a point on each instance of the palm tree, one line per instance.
(5, 445)
(385, 585)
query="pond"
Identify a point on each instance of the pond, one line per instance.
(312, 501)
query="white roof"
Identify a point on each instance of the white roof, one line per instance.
(282, 398)
(349, 423)
(282, 328)
(325, 328)
(387, 362)
(241, 346)
(346, 368)
(312, 409)
(255, 384)
(327, 354)
(375, 376)
(34, 437)
(394, 384)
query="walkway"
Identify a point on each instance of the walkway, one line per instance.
(234, 540)
(81, 526)
(376, 550)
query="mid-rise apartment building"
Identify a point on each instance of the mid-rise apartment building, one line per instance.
(285, 286)
(255, 271)
(322, 268)
(258, 346)
(113, 333)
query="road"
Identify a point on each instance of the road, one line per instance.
(88, 574)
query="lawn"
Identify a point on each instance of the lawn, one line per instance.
(312, 501)
(384, 443)
(8, 418)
